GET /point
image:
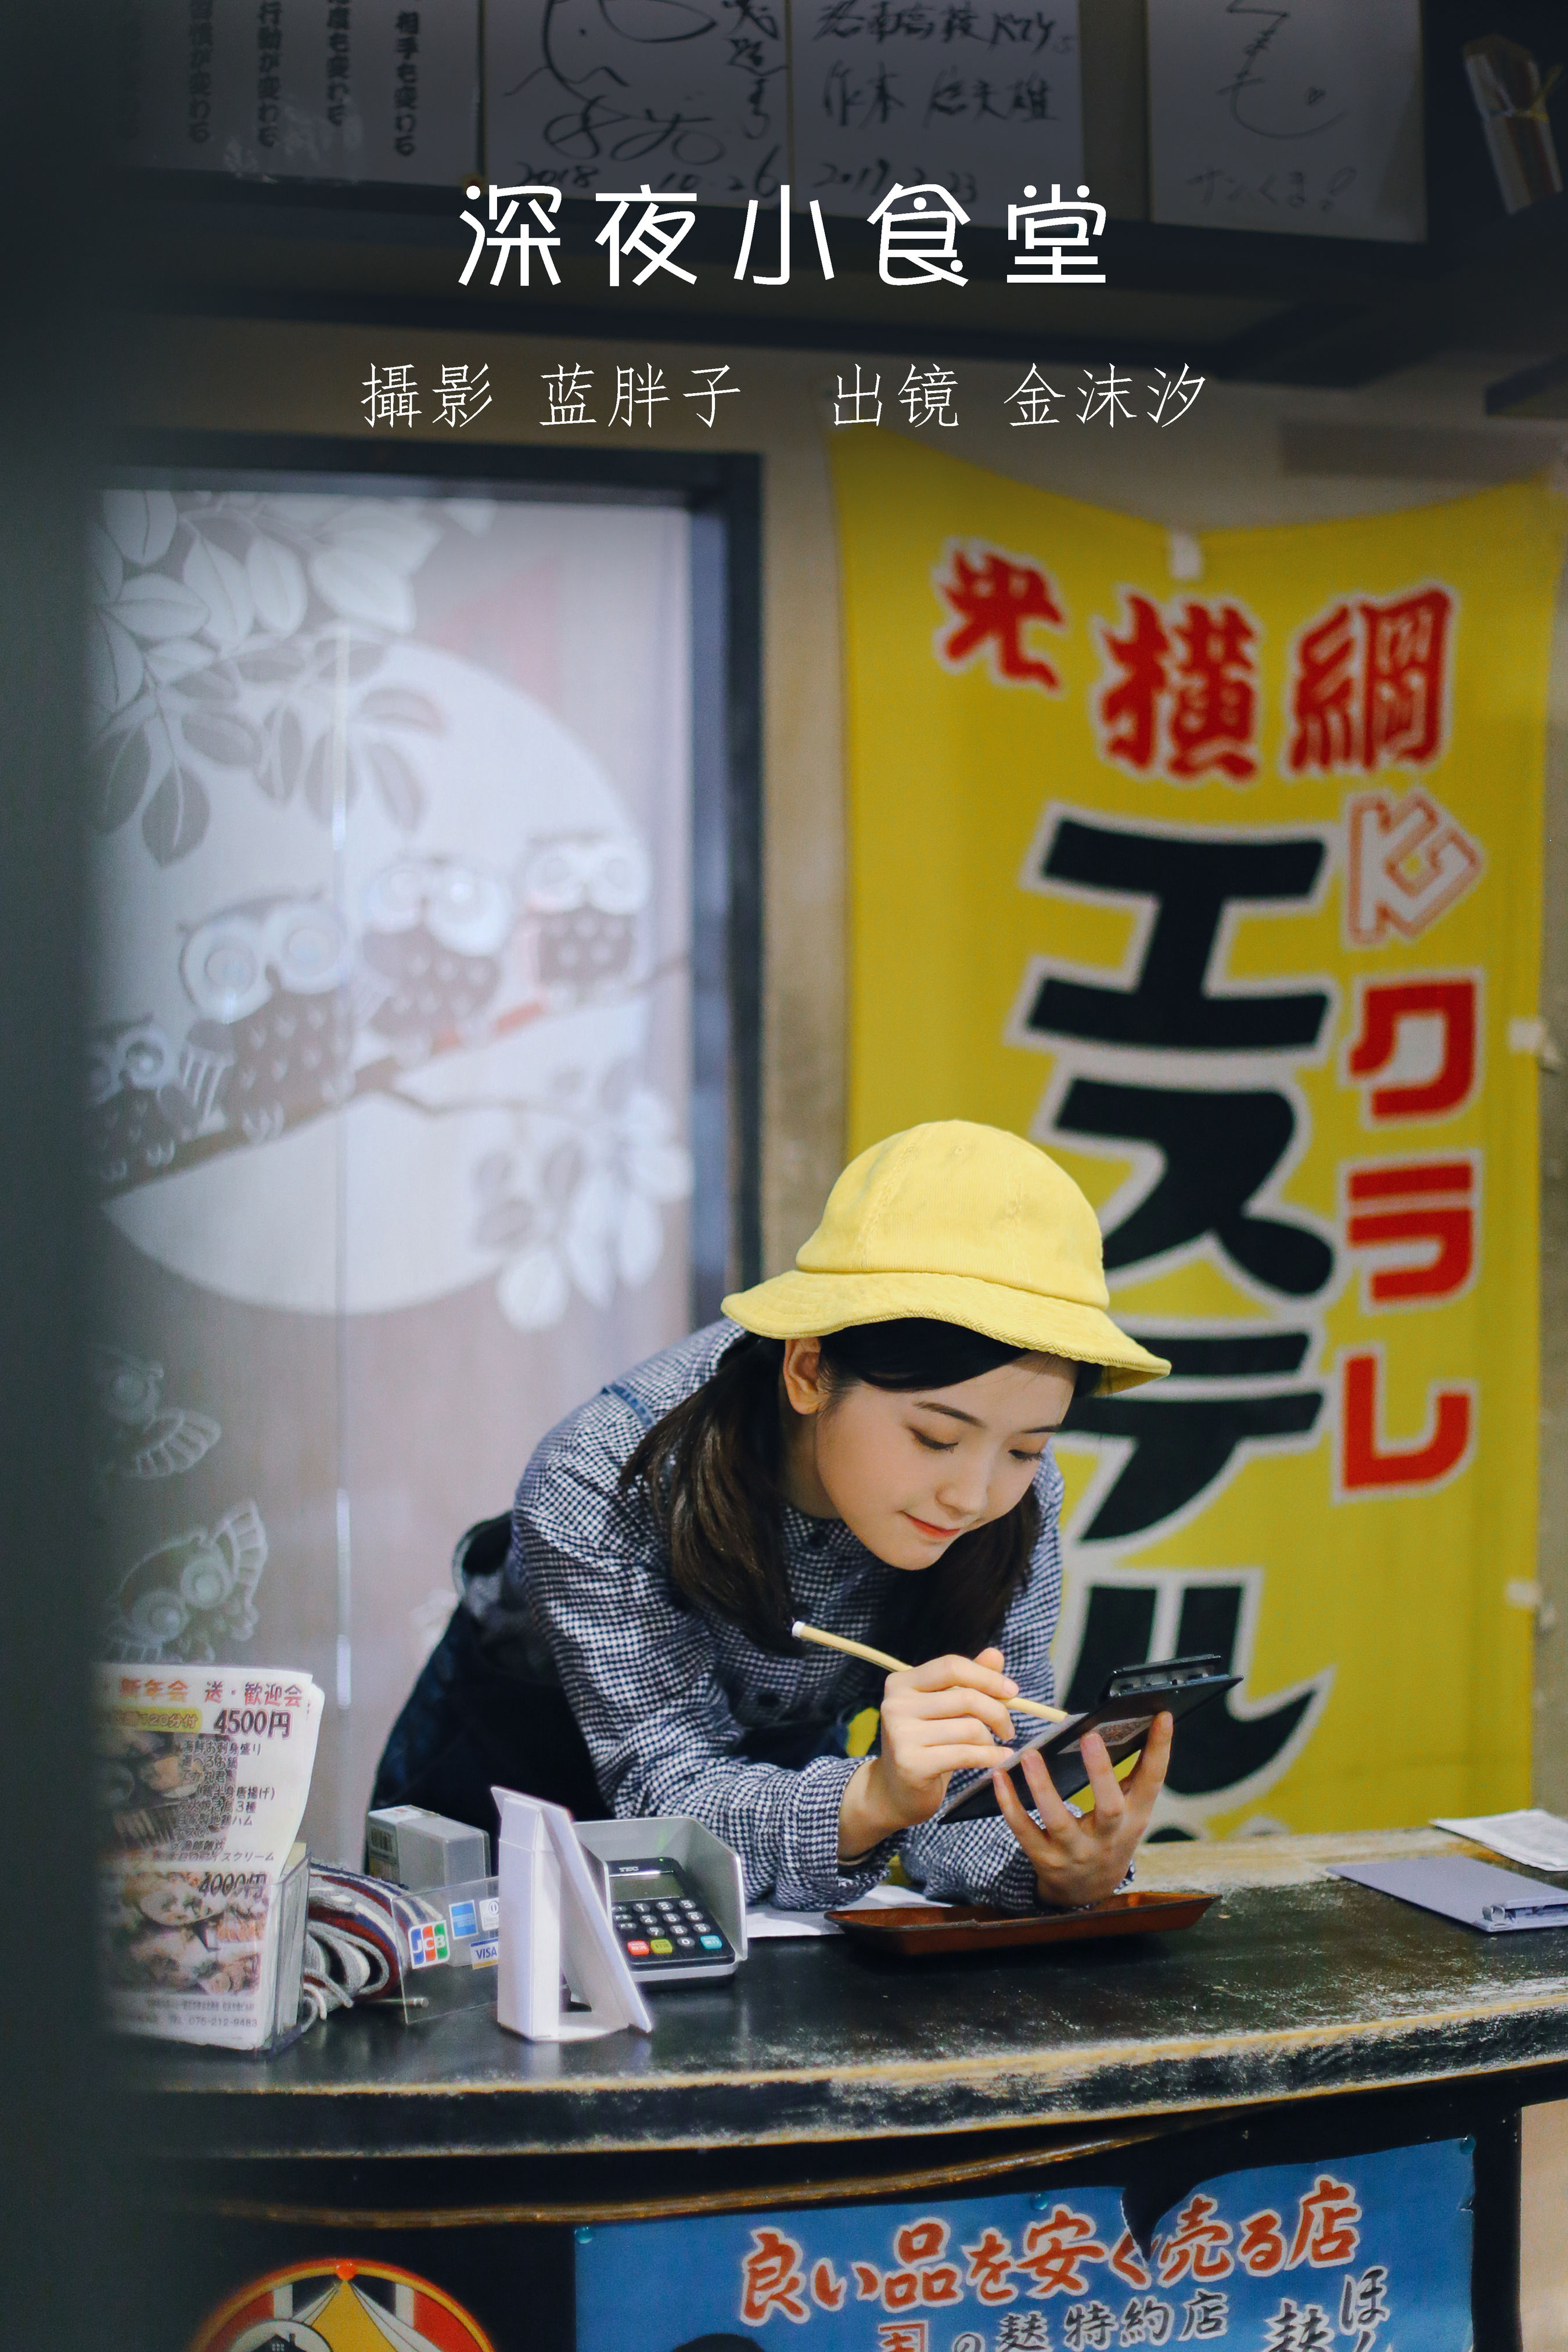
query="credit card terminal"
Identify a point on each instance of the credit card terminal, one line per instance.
(664, 1929)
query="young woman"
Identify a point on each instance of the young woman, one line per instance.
(864, 1445)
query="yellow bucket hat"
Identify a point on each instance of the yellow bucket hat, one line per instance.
(960, 1224)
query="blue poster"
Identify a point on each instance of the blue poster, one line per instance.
(1363, 2256)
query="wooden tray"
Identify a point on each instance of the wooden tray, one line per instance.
(980, 1927)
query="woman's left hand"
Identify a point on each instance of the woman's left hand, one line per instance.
(1082, 1858)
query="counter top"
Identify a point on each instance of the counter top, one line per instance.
(1294, 1984)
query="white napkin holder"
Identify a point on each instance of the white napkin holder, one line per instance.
(555, 1933)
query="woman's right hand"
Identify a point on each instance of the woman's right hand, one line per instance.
(946, 1717)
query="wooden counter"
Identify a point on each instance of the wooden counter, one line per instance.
(1302, 2017)
(1294, 1985)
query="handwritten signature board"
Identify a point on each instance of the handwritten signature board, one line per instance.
(983, 99)
(691, 96)
(725, 100)
(289, 90)
(1301, 118)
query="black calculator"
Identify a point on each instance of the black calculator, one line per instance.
(666, 1930)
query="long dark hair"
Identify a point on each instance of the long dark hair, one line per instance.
(710, 1472)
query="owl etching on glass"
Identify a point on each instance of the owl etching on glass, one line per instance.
(583, 894)
(274, 1040)
(138, 1108)
(138, 1434)
(300, 1003)
(431, 951)
(194, 1596)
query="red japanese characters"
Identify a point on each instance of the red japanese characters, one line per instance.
(1369, 687)
(997, 598)
(1181, 695)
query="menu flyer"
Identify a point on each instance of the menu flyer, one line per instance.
(205, 1775)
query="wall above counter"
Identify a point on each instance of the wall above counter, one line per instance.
(1277, 205)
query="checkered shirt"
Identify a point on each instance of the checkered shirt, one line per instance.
(666, 1693)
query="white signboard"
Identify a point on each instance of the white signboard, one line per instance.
(983, 99)
(687, 96)
(1302, 118)
(317, 89)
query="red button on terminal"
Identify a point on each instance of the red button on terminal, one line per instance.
(636, 1947)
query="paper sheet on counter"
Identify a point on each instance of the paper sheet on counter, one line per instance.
(765, 1920)
(1537, 1838)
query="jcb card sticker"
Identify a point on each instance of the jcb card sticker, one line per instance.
(428, 1943)
(1370, 2254)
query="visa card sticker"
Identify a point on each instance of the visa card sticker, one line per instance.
(485, 1952)
(428, 1943)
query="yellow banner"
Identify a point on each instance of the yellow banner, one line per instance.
(1216, 869)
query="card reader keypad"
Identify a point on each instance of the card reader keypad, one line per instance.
(669, 1932)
